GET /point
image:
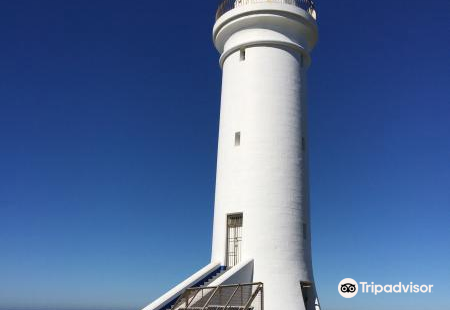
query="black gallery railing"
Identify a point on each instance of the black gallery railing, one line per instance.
(228, 5)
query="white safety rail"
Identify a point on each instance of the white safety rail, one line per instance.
(228, 5)
(175, 292)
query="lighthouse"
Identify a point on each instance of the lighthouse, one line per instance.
(262, 229)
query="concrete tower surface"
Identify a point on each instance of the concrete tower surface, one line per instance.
(262, 164)
(261, 215)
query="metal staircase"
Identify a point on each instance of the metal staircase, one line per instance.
(211, 279)
(222, 297)
(203, 282)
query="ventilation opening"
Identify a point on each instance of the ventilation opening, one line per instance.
(242, 55)
(237, 138)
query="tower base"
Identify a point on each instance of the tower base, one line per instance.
(218, 287)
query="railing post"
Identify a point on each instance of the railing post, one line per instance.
(249, 302)
(262, 298)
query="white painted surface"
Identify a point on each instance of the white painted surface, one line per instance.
(241, 273)
(266, 176)
(177, 290)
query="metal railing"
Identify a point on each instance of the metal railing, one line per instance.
(223, 297)
(228, 5)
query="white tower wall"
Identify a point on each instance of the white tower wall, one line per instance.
(266, 177)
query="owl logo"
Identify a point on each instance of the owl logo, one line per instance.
(348, 288)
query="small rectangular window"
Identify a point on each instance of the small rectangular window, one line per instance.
(242, 55)
(237, 138)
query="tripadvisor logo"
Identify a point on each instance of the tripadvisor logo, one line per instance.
(348, 288)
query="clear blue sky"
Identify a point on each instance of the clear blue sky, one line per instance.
(108, 131)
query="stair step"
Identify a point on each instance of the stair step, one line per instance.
(214, 277)
(205, 283)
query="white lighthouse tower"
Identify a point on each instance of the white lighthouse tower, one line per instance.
(261, 215)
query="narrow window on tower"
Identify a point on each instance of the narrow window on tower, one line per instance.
(237, 138)
(242, 55)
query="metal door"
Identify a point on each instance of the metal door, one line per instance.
(234, 239)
